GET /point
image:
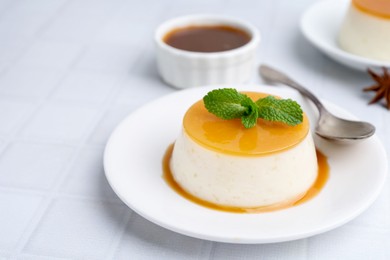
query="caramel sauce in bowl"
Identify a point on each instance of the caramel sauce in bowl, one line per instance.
(210, 38)
(229, 58)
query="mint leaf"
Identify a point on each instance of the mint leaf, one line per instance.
(281, 110)
(249, 119)
(226, 103)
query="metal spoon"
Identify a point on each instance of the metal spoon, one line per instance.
(328, 126)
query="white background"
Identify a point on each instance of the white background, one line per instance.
(71, 70)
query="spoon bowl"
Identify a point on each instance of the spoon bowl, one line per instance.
(328, 126)
(341, 130)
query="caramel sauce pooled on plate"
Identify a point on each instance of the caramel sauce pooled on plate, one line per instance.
(322, 177)
(207, 38)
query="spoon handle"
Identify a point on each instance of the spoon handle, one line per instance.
(273, 75)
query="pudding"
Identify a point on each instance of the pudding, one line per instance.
(223, 163)
(366, 29)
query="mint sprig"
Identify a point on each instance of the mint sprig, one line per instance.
(228, 103)
(280, 110)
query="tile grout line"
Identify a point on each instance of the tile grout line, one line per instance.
(206, 249)
(37, 218)
(271, 24)
(44, 204)
(18, 56)
(45, 201)
(32, 38)
(21, 190)
(53, 193)
(368, 227)
(64, 195)
(211, 254)
(51, 257)
(128, 218)
(29, 116)
(38, 140)
(41, 102)
(306, 248)
(8, 6)
(26, 119)
(116, 240)
(49, 21)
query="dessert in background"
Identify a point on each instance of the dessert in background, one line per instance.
(366, 29)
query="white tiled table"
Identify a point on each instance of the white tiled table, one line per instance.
(70, 70)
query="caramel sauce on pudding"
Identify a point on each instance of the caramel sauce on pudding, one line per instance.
(379, 8)
(231, 137)
(208, 38)
(322, 177)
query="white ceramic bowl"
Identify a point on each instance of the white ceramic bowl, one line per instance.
(184, 69)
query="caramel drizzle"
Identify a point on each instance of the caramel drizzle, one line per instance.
(322, 177)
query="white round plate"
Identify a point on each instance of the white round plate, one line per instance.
(133, 166)
(320, 24)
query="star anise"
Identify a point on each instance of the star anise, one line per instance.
(381, 86)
